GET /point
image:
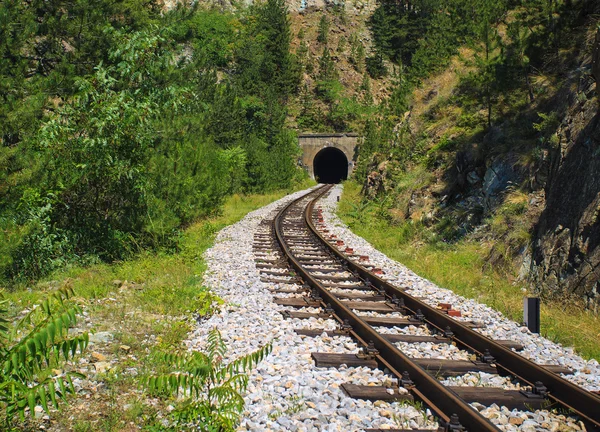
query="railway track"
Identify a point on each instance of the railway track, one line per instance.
(320, 278)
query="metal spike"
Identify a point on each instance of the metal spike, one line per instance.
(487, 357)
(540, 389)
(419, 315)
(448, 333)
(406, 382)
(346, 327)
(314, 294)
(398, 302)
(454, 424)
(369, 352)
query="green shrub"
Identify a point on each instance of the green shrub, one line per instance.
(375, 66)
(32, 350)
(38, 247)
(212, 390)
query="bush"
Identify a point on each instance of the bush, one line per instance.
(30, 353)
(211, 388)
(375, 66)
(37, 246)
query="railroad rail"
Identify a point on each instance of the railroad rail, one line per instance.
(317, 263)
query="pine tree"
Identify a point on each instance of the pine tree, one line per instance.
(357, 53)
(279, 68)
(326, 66)
(365, 87)
(489, 50)
(323, 33)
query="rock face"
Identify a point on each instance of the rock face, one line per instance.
(566, 252)
(596, 61)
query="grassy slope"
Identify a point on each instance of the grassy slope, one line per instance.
(461, 268)
(148, 304)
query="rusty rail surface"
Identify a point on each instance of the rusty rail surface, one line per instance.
(442, 400)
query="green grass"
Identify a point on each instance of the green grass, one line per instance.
(461, 267)
(149, 304)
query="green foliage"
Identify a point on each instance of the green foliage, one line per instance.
(329, 91)
(488, 52)
(303, 54)
(323, 30)
(357, 53)
(310, 117)
(235, 160)
(266, 64)
(120, 124)
(97, 146)
(212, 389)
(327, 70)
(31, 350)
(421, 34)
(39, 247)
(398, 25)
(375, 66)
(547, 127)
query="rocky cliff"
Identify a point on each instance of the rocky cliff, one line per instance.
(566, 252)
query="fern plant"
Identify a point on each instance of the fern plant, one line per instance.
(211, 389)
(30, 350)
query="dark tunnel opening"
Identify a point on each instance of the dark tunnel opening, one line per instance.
(330, 166)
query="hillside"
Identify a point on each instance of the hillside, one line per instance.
(132, 132)
(502, 152)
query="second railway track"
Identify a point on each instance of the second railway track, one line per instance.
(326, 280)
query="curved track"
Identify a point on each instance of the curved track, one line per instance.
(326, 272)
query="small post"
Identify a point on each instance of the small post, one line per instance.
(338, 198)
(531, 313)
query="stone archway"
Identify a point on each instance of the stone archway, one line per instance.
(312, 144)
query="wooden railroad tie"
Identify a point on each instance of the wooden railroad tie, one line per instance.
(304, 315)
(298, 302)
(375, 393)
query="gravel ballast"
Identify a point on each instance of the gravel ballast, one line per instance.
(287, 392)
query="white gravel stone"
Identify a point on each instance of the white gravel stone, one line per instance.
(286, 391)
(537, 348)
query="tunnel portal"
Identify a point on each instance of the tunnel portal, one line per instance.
(330, 165)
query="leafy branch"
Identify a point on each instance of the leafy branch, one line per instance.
(212, 390)
(29, 350)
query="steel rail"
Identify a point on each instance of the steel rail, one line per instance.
(439, 398)
(570, 396)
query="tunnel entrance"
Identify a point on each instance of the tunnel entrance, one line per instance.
(330, 165)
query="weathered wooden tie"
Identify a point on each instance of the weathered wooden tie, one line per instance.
(298, 302)
(335, 360)
(375, 393)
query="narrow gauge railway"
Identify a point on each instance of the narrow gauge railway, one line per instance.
(299, 250)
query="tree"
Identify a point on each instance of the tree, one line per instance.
(488, 50)
(323, 33)
(96, 147)
(357, 53)
(365, 87)
(517, 55)
(375, 65)
(398, 26)
(308, 119)
(279, 68)
(327, 69)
